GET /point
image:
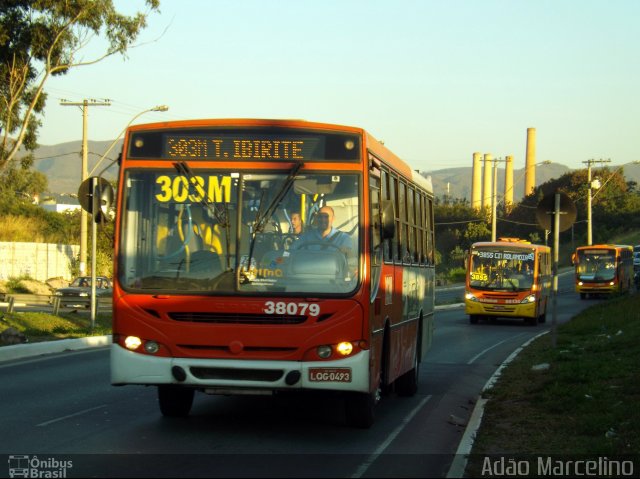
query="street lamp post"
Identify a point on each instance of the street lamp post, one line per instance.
(591, 185)
(155, 108)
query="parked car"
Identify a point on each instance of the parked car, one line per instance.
(78, 292)
(636, 258)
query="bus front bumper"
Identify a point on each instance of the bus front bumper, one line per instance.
(596, 288)
(229, 376)
(519, 310)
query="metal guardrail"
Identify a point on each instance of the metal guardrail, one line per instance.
(53, 302)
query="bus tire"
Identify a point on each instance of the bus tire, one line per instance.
(473, 318)
(360, 409)
(543, 317)
(175, 401)
(407, 384)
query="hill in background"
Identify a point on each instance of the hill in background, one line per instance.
(456, 182)
(62, 164)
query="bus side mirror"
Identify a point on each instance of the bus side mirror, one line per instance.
(388, 220)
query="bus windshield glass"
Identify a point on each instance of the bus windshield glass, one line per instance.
(501, 269)
(198, 231)
(596, 264)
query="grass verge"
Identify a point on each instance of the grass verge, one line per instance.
(38, 327)
(585, 404)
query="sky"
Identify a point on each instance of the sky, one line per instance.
(435, 80)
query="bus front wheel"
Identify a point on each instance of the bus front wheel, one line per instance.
(175, 401)
(359, 408)
(543, 317)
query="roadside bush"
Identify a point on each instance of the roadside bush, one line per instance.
(25, 285)
(457, 275)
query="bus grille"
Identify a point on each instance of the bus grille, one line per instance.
(499, 309)
(230, 374)
(236, 318)
(500, 295)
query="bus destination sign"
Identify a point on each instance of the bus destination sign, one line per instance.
(243, 148)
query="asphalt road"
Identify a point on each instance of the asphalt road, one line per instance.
(62, 408)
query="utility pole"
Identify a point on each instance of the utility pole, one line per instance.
(85, 104)
(590, 185)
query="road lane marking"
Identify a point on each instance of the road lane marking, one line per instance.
(494, 346)
(381, 448)
(79, 413)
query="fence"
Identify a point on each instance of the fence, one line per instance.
(45, 302)
(40, 261)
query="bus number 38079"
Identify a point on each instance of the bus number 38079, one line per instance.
(292, 309)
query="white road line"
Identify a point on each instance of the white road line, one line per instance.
(381, 448)
(471, 361)
(79, 413)
(459, 464)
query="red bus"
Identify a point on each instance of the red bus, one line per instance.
(509, 278)
(215, 292)
(603, 269)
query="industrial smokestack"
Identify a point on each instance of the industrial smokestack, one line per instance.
(530, 163)
(508, 183)
(476, 182)
(487, 190)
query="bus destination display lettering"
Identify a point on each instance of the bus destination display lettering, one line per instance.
(499, 255)
(235, 148)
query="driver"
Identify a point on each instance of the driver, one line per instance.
(324, 232)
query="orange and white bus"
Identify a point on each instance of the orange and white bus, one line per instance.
(508, 278)
(213, 290)
(603, 269)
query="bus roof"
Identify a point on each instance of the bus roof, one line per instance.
(605, 246)
(510, 244)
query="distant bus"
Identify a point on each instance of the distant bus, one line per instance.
(215, 292)
(603, 269)
(509, 278)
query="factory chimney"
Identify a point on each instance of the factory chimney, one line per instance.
(476, 182)
(530, 163)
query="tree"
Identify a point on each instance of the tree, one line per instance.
(43, 38)
(22, 181)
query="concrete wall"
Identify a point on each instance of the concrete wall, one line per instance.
(39, 261)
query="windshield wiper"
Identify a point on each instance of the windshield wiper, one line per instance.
(261, 219)
(222, 217)
(262, 216)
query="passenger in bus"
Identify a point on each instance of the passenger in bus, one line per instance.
(296, 223)
(324, 232)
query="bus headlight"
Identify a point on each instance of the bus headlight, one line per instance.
(345, 348)
(529, 299)
(612, 283)
(470, 296)
(151, 347)
(324, 351)
(132, 342)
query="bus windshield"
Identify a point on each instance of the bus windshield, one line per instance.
(202, 231)
(500, 269)
(596, 264)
